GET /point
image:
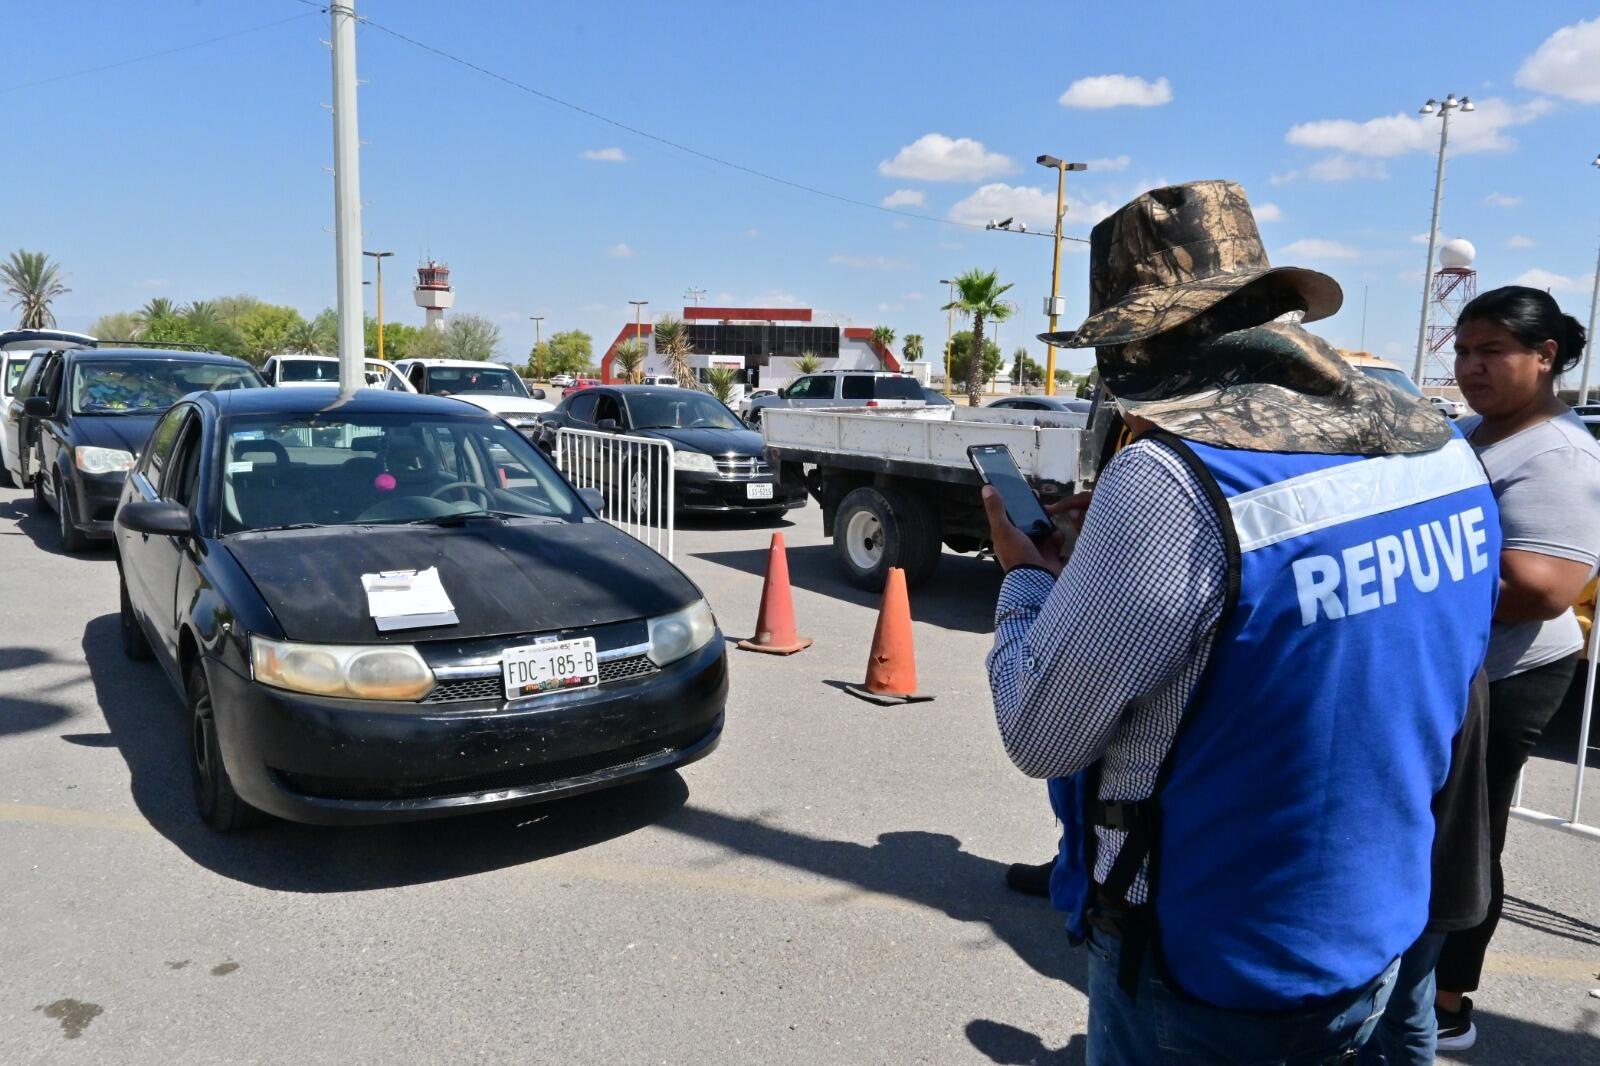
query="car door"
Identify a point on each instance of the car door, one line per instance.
(270, 371)
(27, 427)
(418, 377)
(143, 557)
(179, 484)
(49, 433)
(16, 454)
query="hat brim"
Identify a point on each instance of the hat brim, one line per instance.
(1148, 312)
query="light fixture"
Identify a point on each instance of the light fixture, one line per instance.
(1427, 108)
(1467, 104)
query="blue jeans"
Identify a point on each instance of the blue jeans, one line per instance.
(1408, 1031)
(1161, 1028)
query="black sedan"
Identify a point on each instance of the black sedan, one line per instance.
(719, 463)
(94, 409)
(395, 607)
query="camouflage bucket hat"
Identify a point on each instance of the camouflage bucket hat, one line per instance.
(1175, 253)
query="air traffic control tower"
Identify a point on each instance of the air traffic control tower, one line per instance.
(433, 292)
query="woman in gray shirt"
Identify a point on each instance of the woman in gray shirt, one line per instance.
(1511, 344)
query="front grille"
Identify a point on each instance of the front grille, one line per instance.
(460, 690)
(742, 466)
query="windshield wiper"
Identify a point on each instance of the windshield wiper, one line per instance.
(286, 525)
(459, 517)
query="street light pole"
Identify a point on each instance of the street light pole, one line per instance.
(949, 331)
(378, 258)
(1444, 109)
(1594, 306)
(536, 319)
(1054, 305)
(347, 196)
(638, 319)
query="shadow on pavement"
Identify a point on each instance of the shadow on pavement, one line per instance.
(40, 527)
(960, 594)
(733, 520)
(1503, 1039)
(20, 714)
(1007, 1044)
(1551, 922)
(146, 721)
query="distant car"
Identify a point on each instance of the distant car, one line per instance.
(750, 397)
(1391, 374)
(19, 347)
(247, 538)
(1448, 407)
(561, 381)
(1067, 404)
(495, 387)
(935, 398)
(663, 380)
(95, 408)
(578, 384)
(312, 371)
(719, 463)
(844, 388)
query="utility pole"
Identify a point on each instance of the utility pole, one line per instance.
(694, 295)
(638, 319)
(1594, 306)
(1054, 305)
(536, 319)
(347, 197)
(1444, 109)
(949, 330)
(378, 258)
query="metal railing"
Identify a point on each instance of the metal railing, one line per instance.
(1573, 822)
(633, 473)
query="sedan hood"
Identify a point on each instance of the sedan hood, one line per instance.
(711, 441)
(503, 578)
(128, 432)
(501, 404)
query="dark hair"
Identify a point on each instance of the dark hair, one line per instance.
(1533, 317)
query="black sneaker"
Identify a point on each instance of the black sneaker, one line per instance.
(1030, 880)
(1456, 1031)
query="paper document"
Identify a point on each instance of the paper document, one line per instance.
(408, 599)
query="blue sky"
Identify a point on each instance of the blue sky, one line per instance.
(201, 173)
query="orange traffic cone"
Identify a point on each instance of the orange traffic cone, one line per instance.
(775, 632)
(892, 666)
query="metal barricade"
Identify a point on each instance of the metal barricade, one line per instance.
(1573, 823)
(633, 473)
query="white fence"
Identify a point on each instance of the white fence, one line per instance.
(633, 473)
(1573, 821)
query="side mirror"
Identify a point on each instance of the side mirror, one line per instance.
(594, 498)
(38, 407)
(607, 425)
(161, 518)
(537, 394)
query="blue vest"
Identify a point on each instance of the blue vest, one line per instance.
(1290, 855)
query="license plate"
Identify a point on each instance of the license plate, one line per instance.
(535, 669)
(758, 492)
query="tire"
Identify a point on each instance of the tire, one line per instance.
(876, 529)
(218, 805)
(643, 505)
(41, 504)
(135, 645)
(73, 540)
(6, 480)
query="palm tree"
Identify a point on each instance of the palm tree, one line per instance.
(720, 382)
(158, 308)
(202, 313)
(305, 337)
(884, 335)
(912, 348)
(35, 281)
(978, 295)
(808, 363)
(629, 360)
(675, 348)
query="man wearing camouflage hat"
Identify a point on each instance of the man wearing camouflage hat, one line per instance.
(1258, 652)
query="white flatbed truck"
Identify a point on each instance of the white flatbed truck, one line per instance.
(895, 484)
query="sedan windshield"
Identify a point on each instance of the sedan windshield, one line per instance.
(322, 469)
(456, 380)
(680, 409)
(309, 370)
(149, 386)
(1391, 377)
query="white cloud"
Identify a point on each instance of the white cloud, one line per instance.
(1418, 238)
(914, 296)
(891, 307)
(1482, 130)
(1116, 90)
(1268, 213)
(1500, 199)
(905, 198)
(621, 251)
(1519, 241)
(606, 155)
(1034, 206)
(869, 262)
(1544, 279)
(1335, 168)
(752, 232)
(1114, 165)
(935, 157)
(1567, 64)
(1318, 248)
(591, 308)
(775, 298)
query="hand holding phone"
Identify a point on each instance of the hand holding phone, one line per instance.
(996, 466)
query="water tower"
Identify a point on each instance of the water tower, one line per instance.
(433, 292)
(1454, 284)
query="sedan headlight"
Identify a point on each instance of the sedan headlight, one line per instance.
(353, 671)
(672, 636)
(698, 462)
(93, 460)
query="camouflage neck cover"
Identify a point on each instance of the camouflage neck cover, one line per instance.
(1272, 388)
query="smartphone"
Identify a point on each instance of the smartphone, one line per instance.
(996, 467)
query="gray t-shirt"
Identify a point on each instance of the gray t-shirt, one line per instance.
(1547, 480)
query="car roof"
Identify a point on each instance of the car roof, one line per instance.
(165, 355)
(307, 356)
(309, 400)
(872, 373)
(652, 390)
(461, 362)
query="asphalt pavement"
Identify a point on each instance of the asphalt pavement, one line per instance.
(824, 888)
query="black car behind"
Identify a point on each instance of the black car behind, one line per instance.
(575, 657)
(93, 410)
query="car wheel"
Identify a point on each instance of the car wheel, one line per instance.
(72, 539)
(876, 529)
(7, 480)
(41, 503)
(646, 503)
(218, 804)
(135, 645)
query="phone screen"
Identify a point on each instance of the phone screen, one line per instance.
(996, 466)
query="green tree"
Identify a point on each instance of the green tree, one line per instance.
(117, 326)
(720, 382)
(305, 337)
(808, 363)
(1024, 371)
(35, 282)
(961, 358)
(884, 335)
(911, 347)
(157, 308)
(470, 336)
(628, 360)
(978, 297)
(674, 348)
(568, 351)
(265, 329)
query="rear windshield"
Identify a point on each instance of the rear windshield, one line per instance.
(456, 380)
(309, 370)
(1390, 376)
(149, 386)
(887, 387)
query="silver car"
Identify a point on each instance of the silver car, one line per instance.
(843, 388)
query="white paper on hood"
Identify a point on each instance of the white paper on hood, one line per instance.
(408, 599)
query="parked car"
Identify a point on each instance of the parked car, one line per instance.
(94, 409)
(19, 347)
(579, 384)
(561, 381)
(1448, 407)
(1068, 404)
(245, 555)
(1391, 374)
(719, 463)
(844, 388)
(751, 396)
(311, 371)
(495, 387)
(935, 398)
(663, 380)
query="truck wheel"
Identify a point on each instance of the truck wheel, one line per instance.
(879, 528)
